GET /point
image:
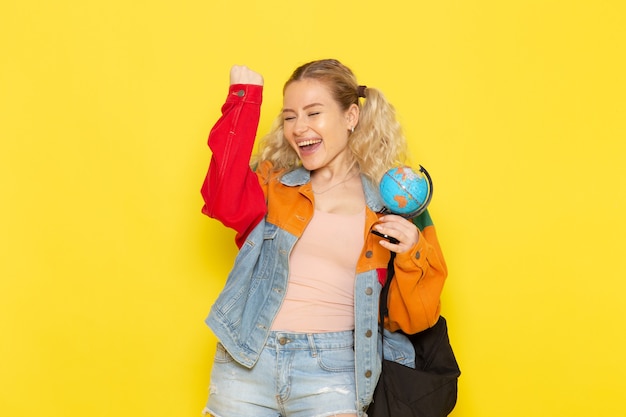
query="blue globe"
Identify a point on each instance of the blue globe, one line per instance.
(406, 192)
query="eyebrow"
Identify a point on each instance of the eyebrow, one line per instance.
(304, 108)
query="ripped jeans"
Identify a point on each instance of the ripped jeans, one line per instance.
(297, 375)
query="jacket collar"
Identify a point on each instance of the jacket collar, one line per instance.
(301, 176)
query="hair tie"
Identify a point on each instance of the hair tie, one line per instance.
(361, 90)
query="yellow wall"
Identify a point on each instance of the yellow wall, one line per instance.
(108, 268)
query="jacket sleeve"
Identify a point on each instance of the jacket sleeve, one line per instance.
(231, 190)
(415, 291)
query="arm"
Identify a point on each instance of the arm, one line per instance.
(420, 273)
(231, 190)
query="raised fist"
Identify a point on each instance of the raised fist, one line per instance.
(240, 74)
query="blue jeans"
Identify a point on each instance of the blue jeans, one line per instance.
(297, 375)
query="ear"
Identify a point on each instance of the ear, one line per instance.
(352, 115)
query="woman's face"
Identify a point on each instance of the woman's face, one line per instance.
(315, 126)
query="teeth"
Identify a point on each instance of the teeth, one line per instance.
(309, 142)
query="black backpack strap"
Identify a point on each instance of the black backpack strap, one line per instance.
(383, 308)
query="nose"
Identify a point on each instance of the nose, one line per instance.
(300, 126)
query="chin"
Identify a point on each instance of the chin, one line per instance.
(309, 165)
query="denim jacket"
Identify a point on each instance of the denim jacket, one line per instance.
(276, 207)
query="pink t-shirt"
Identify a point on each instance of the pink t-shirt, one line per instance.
(320, 292)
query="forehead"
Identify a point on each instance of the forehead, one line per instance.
(305, 92)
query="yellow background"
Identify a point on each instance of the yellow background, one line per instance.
(108, 268)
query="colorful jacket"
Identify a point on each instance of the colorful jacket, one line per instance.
(269, 211)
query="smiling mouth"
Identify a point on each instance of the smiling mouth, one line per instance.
(307, 143)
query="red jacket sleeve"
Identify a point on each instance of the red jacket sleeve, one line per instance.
(231, 190)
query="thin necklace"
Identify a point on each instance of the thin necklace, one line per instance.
(335, 185)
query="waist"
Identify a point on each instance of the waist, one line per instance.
(310, 341)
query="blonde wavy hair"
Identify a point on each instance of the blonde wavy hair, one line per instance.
(377, 143)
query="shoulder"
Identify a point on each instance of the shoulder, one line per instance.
(265, 171)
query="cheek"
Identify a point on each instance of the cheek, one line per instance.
(287, 134)
(293, 146)
(290, 141)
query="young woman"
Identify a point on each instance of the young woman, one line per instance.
(297, 319)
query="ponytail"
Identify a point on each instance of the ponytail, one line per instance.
(378, 142)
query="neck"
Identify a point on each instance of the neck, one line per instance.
(330, 173)
(327, 179)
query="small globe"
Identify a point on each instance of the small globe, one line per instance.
(404, 191)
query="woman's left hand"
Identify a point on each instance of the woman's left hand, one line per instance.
(403, 230)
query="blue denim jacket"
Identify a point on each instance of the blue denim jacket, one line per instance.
(243, 313)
